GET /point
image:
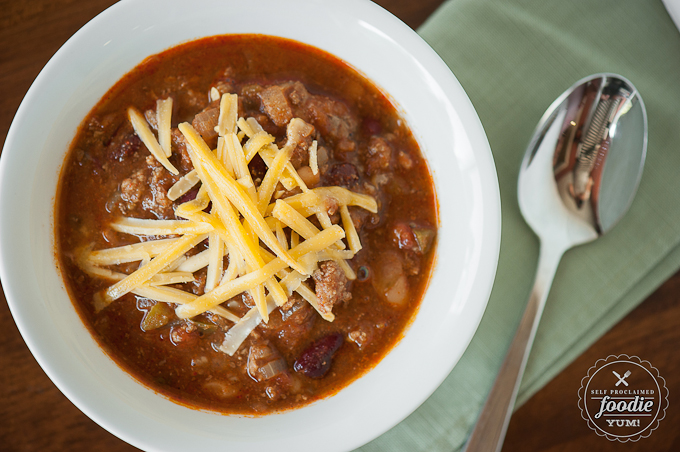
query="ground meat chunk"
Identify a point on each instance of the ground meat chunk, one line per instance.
(297, 319)
(184, 333)
(131, 191)
(179, 147)
(124, 143)
(334, 120)
(249, 98)
(300, 134)
(225, 84)
(331, 117)
(160, 182)
(377, 155)
(151, 118)
(147, 189)
(361, 335)
(205, 122)
(343, 175)
(287, 100)
(297, 93)
(360, 217)
(331, 286)
(276, 105)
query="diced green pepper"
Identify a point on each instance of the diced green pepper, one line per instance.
(424, 238)
(158, 316)
(204, 327)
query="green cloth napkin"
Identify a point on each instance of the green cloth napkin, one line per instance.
(513, 58)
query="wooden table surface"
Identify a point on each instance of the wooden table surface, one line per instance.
(35, 416)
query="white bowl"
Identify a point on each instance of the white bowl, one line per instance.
(443, 121)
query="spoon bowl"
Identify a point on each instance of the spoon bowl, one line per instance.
(584, 162)
(578, 178)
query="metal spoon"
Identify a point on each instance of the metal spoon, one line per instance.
(578, 178)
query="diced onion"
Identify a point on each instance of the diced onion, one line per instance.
(273, 368)
(239, 332)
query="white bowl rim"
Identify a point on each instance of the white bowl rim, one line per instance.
(371, 16)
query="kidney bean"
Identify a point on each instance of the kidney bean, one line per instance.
(371, 126)
(122, 147)
(315, 361)
(257, 167)
(188, 196)
(404, 237)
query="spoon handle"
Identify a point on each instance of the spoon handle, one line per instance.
(492, 424)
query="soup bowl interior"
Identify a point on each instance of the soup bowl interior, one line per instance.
(384, 50)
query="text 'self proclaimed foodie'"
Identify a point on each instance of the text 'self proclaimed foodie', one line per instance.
(245, 224)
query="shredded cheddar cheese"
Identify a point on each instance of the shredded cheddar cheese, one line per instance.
(314, 158)
(348, 224)
(145, 134)
(226, 291)
(154, 266)
(215, 260)
(226, 123)
(255, 143)
(186, 183)
(164, 119)
(271, 245)
(159, 227)
(130, 253)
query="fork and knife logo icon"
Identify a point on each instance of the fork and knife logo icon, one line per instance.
(621, 379)
(628, 407)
